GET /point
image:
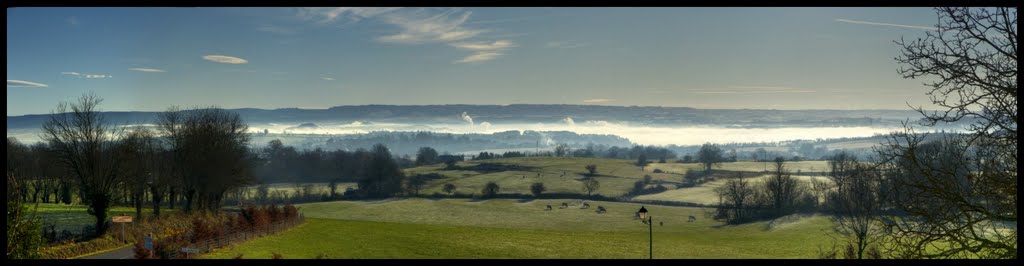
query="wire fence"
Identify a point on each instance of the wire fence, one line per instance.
(235, 237)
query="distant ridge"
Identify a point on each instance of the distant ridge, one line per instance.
(533, 113)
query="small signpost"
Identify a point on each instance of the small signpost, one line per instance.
(122, 219)
(188, 251)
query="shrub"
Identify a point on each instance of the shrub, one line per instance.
(277, 256)
(274, 213)
(204, 228)
(290, 211)
(490, 190)
(658, 171)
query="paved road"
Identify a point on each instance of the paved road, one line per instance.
(124, 253)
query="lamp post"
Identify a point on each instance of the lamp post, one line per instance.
(650, 227)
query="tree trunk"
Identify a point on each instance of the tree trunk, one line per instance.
(155, 193)
(171, 198)
(99, 206)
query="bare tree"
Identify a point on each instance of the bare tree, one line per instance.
(855, 200)
(591, 169)
(954, 194)
(449, 188)
(590, 184)
(141, 150)
(710, 155)
(537, 189)
(736, 194)
(86, 145)
(781, 189)
(209, 146)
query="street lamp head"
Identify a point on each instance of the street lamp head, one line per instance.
(643, 213)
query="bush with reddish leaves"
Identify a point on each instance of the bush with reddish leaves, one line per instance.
(204, 228)
(290, 211)
(275, 213)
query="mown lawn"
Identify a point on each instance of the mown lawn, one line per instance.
(456, 228)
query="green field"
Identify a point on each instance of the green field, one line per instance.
(459, 228)
(616, 176)
(747, 166)
(705, 193)
(74, 217)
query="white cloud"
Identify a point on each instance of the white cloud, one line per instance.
(225, 59)
(330, 14)
(484, 46)
(479, 57)
(566, 44)
(147, 69)
(597, 100)
(417, 27)
(486, 125)
(327, 78)
(22, 83)
(420, 26)
(88, 76)
(886, 24)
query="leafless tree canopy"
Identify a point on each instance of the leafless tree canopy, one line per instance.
(88, 147)
(209, 151)
(972, 58)
(958, 194)
(855, 200)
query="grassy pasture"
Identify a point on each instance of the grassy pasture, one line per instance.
(504, 228)
(705, 193)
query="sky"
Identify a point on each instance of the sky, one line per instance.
(148, 59)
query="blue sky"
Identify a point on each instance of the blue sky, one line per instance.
(152, 58)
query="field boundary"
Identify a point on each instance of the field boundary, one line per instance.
(241, 236)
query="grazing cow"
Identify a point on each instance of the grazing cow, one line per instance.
(692, 218)
(564, 205)
(585, 205)
(548, 208)
(600, 209)
(661, 223)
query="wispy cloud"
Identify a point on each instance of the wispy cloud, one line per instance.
(600, 100)
(327, 78)
(154, 70)
(484, 51)
(88, 76)
(483, 46)
(22, 83)
(506, 20)
(225, 59)
(420, 26)
(330, 14)
(479, 57)
(566, 44)
(885, 24)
